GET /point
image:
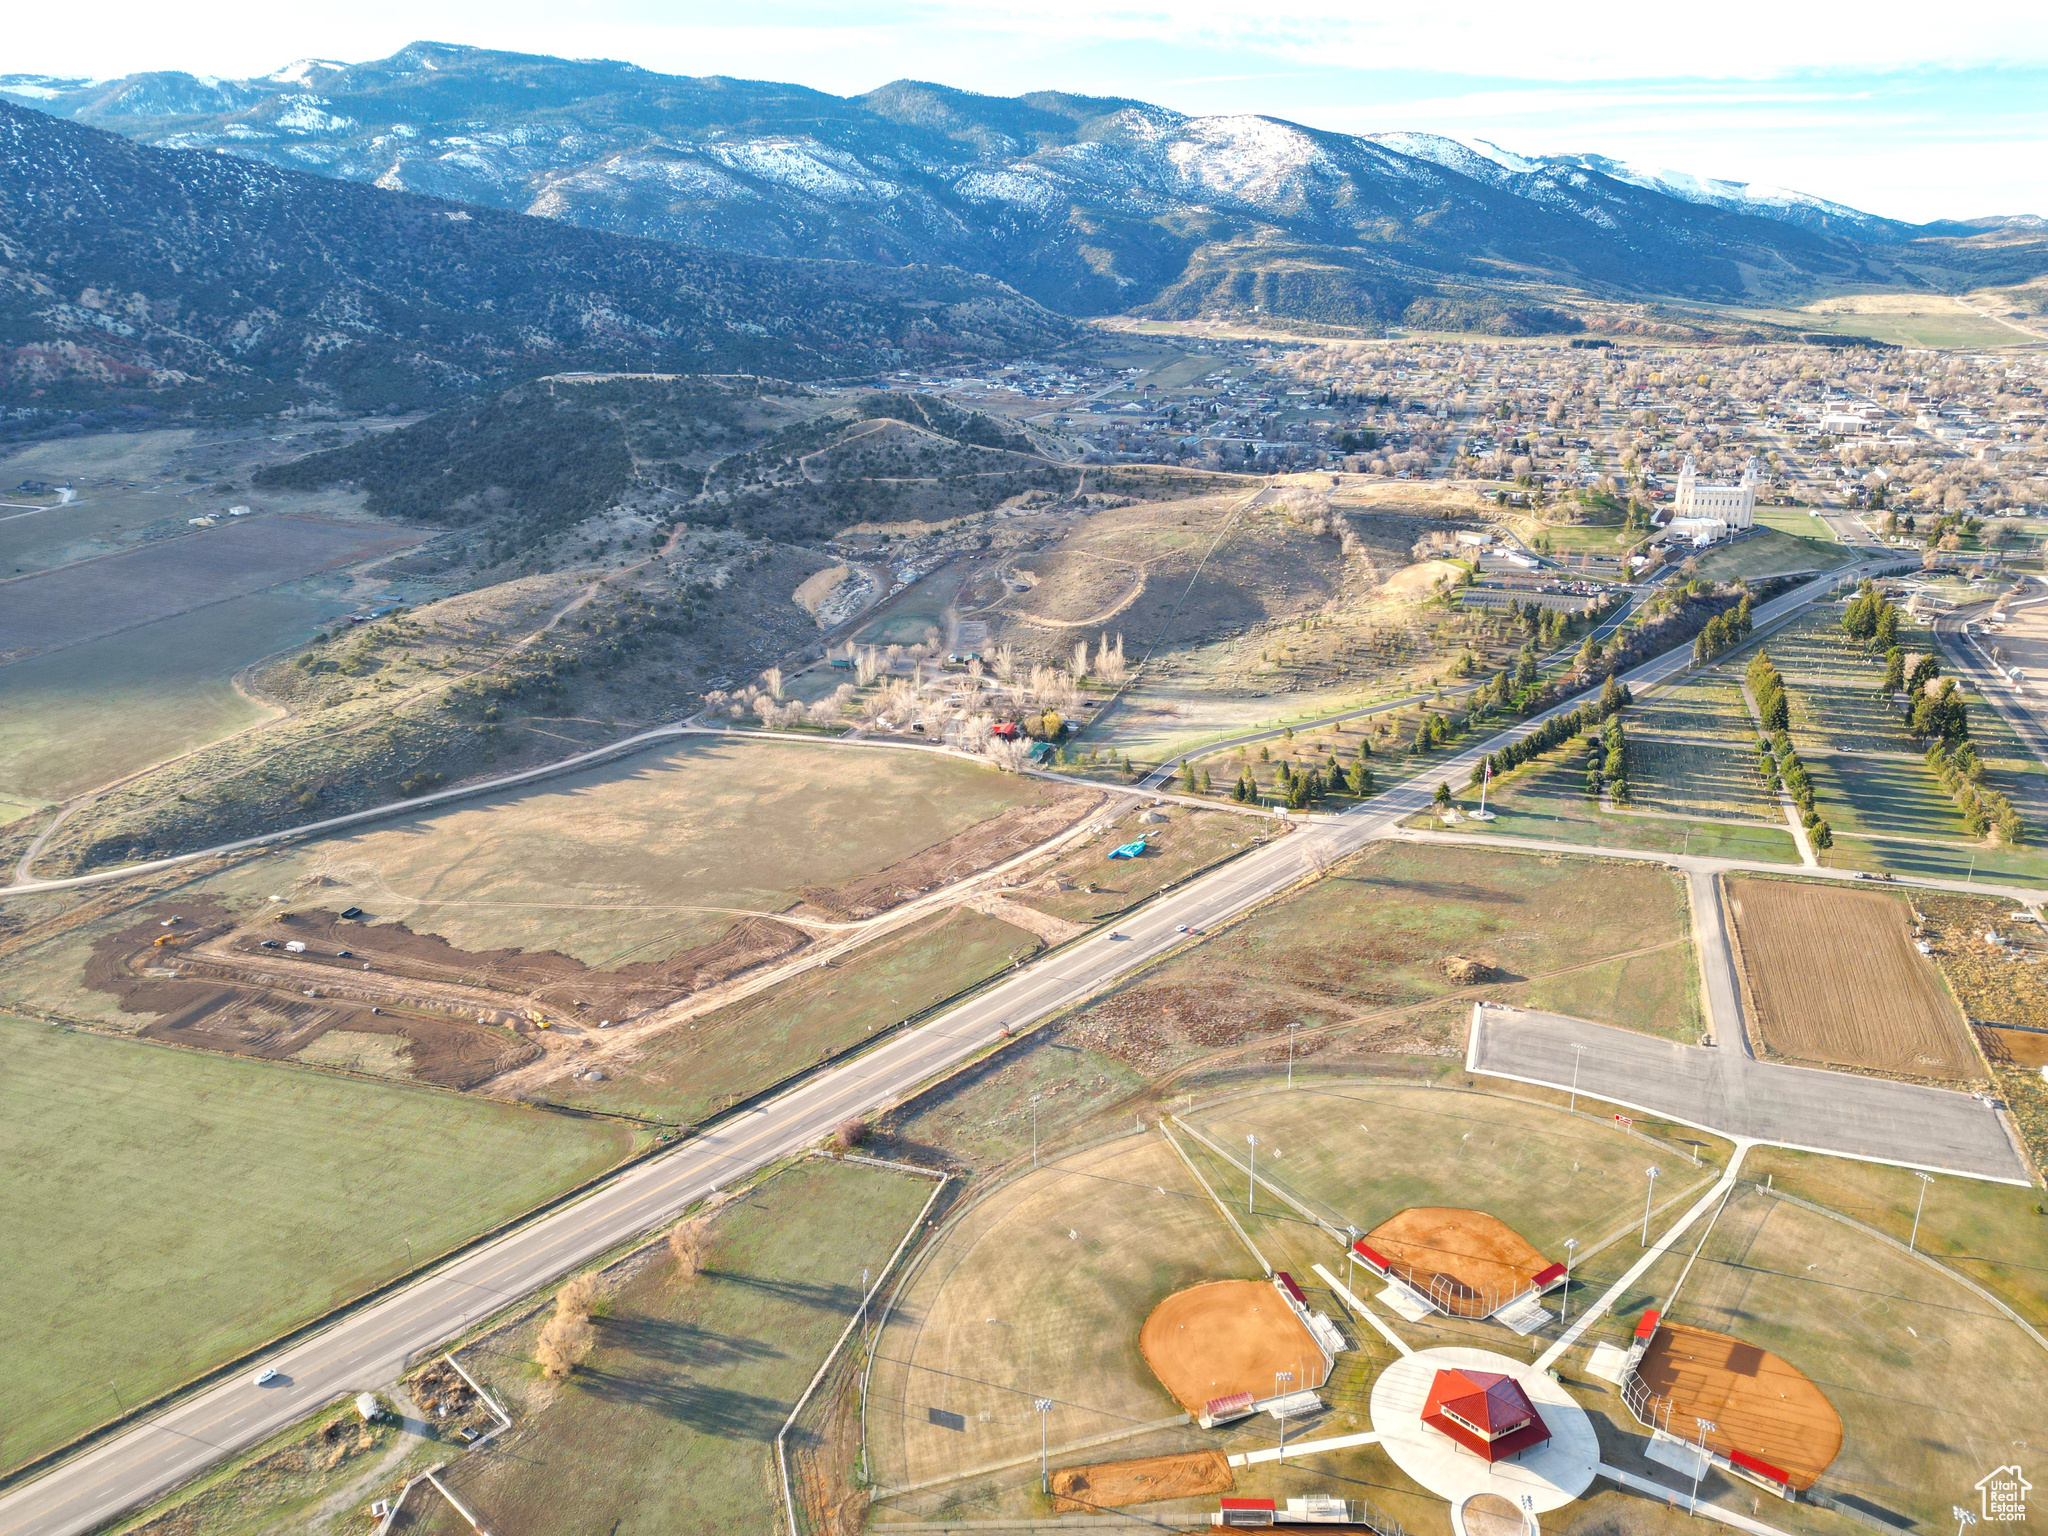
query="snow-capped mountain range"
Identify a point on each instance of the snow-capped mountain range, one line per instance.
(1088, 204)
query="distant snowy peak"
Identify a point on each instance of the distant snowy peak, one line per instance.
(1753, 197)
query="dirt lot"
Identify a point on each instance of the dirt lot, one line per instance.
(1759, 1404)
(1467, 1262)
(1831, 975)
(1114, 1484)
(460, 1017)
(1226, 1337)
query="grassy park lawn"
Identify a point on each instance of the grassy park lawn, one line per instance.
(700, 1066)
(171, 1210)
(668, 1429)
(1187, 842)
(1692, 750)
(1547, 799)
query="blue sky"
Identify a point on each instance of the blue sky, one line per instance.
(1918, 115)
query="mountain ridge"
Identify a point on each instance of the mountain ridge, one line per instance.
(1091, 205)
(210, 280)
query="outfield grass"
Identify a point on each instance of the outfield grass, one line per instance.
(168, 1210)
(668, 1428)
(699, 1067)
(1994, 1233)
(1362, 1154)
(1040, 1290)
(638, 860)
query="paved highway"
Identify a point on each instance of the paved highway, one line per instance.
(367, 1348)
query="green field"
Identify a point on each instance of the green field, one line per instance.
(1774, 551)
(699, 1067)
(1185, 842)
(1692, 750)
(639, 859)
(169, 1210)
(668, 1429)
(1363, 1153)
(1547, 799)
(79, 717)
(1608, 942)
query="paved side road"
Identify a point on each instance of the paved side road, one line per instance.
(1721, 1090)
(366, 1348)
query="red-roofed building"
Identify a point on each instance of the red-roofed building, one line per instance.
(1487, 1413)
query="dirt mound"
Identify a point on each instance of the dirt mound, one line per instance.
(1114, 1484)
(1467, 972)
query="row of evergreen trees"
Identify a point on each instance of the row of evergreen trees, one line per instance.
(1556, 731)
(1961, 773)
(1777, 761)
(1724, 632)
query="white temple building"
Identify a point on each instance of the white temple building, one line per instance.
(1704, 512)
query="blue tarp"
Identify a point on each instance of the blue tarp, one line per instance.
(1129, 850)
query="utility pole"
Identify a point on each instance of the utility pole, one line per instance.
(1290, 1052)
(1044, 1406)
(1648, 1194)
(1251, 1195)
(1925, 1180)
(1578, 1055)
(1034, 1128)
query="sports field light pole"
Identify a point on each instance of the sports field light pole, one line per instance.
(1044, 1406)
(1282, 1380)
(1251, 1194)
(1649, 1193)
(1699, 1468)
(1925, 1180)
(1564, 1309)
(1034, 1128)
(1290, 1052)
(1578, 1055)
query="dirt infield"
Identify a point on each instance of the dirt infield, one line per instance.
(1760, 1404)
(1467, 1262)
(1113, 1484)
(1227, 1336)
(1832, 976)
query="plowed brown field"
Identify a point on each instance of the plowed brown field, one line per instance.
(1832, 976)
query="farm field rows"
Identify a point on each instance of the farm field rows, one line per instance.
(1831, 975)
(171, 1209)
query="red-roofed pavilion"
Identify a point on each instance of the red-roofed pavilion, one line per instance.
(1488, 1414)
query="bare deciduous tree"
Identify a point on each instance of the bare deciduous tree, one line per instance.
(568, 1337)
